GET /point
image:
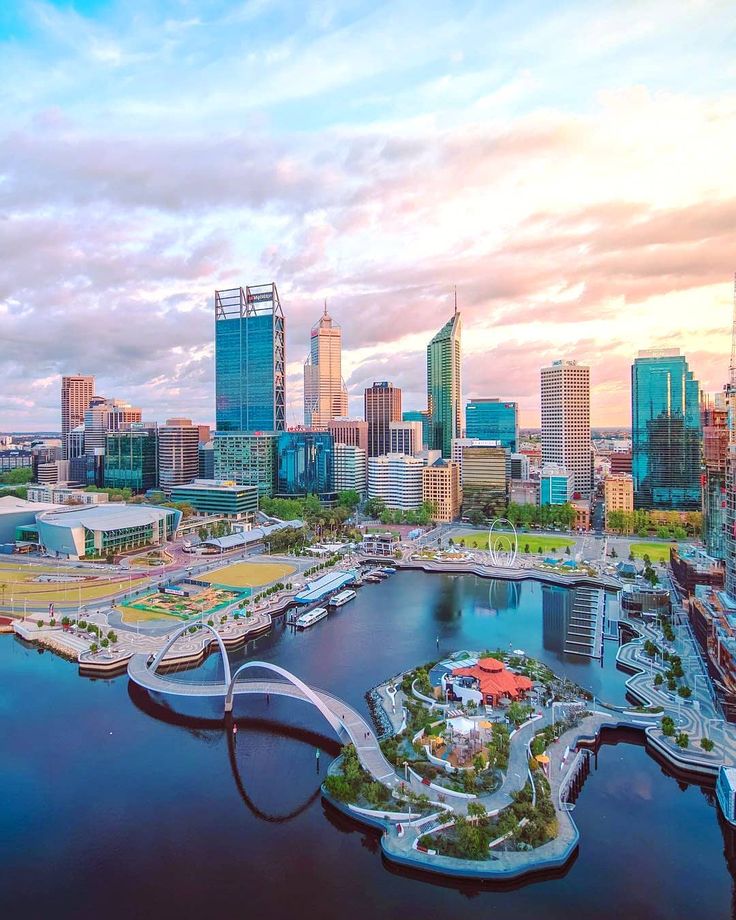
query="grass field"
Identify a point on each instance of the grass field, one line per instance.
(535, 541)
(21, 584)
(248, 574)
(132, 616)
(657, 552)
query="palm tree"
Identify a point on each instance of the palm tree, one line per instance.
(3, 588)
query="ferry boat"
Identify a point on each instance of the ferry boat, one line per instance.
(342, 597)
(311, 617)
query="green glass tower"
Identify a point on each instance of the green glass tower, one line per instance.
(444, 386)
(666, 432)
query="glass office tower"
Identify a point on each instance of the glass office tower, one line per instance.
(493, 420)
(666, 432)
(419, 415)
(444, 386)
(306, 465)
(131, 459)
(250, 358)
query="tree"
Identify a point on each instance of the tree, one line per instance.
(375, 507)
(18, 476)
(668, 726)
(706, 744)
(349, 499)
(475, 516)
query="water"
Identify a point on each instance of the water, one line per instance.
(113, 806)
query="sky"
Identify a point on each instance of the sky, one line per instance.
(569, 166)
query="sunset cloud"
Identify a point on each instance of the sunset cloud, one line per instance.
(574, 178)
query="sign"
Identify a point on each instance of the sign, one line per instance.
(177, 591)
(266, 297)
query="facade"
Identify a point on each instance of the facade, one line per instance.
(556, 485)
(581, 507)
(620, 461)
(305, 465)
(382, 403)
(666, 432)
(63, 495)
(517, 466)
(459, 444)
(247, 459)
(18, 513)
(397, 479)
(714, 421)
(405, 438)
(618, 494)
(15, 459)
(178, 453)
(493, 420)
(523, 492)
(349, 431)
(444, 386)
(483, 477)
(102, 530)
(215, 497)
(565, 396)
(250, 360)
(76, 393)
(419, 415)
(325, 393)
(692, 566)
(206, 460)
(441, 490)
(351, 469)
(131, 459)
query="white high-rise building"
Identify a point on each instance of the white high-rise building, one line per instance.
(397, 479)
(325, 394)
(565, 395)
(350, 468)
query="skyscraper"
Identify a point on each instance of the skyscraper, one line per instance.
(665, 432)
(493, 420)
(444, 386)
(565, 393)
(382, 406)
(306, 465)
(325, 394)
(178, 453)
(76, 394)
(250, 360)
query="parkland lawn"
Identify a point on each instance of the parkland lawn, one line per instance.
(657, 552)
(537, 542)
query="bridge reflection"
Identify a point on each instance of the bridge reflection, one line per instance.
(210, 731)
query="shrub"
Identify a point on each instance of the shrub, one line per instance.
(104, 643)
(93, 647)
(682, 739)
(668, 726)
(685, 692)
(52, 622)
(706, 744)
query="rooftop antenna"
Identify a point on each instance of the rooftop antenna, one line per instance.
(325, 313)
(732, 368)
(732, 354)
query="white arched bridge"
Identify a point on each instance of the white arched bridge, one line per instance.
(344, 720)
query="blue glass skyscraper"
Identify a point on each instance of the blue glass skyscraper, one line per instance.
(250, 358)
(666, 432)
(306, 464)
(493, 420)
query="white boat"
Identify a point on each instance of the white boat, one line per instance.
(388, 570)
(311, 617)
(342, 597)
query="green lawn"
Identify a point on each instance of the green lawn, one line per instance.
(535, 541)
(657, 552)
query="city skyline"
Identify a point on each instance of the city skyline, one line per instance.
(563, 208)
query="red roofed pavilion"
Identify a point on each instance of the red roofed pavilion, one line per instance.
(495, 681)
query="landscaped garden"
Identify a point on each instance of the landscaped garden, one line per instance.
(528, 542)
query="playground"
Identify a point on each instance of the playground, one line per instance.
(43, 584)
(180, 605)
(248, 574)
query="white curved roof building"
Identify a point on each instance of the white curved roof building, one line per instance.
(99, 530)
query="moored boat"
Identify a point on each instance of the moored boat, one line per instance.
(311, 617)
(342, 597)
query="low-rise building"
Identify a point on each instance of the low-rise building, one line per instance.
(248, 459)
(65, 495)
(441, 489)
(556, 485)
(618, 494)
(692, 566)
(524, 492)
(218, 497)
(582, 514)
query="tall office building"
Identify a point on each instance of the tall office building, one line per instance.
(665, 432)
(247, 459)
(131, 458)
(397, 479)
(493, 420)
(178, 453)
(76, 395)
(382, 406)
(419, 415)
(405, 438)
(483, 475)
(351, 468)
(250, 360)
(325, 394)
(444, 386)
(351, 431)
(566, 442)
(306, 465)
(714, 420)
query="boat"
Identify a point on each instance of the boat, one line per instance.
(388, 570)
(378, 573)
(342, 597)
(726, 793)
(371, 579)
(311, 617)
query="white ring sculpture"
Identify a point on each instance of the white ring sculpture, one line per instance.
(501, 548)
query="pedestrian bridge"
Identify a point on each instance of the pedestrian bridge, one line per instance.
(346, 722)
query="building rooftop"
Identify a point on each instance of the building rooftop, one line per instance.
(111, 516)
(9, 504)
